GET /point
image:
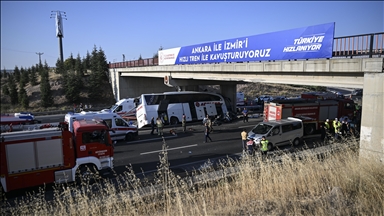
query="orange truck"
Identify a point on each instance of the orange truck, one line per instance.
(54, 155)
(312, 112)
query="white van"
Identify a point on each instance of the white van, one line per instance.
(123, 130)
(240, 99)
(124, 107)
(278, 132)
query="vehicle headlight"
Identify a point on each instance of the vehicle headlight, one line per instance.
(257, 141)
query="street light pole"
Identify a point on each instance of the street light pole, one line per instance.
(59, 16)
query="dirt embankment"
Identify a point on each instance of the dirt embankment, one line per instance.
(57, 90)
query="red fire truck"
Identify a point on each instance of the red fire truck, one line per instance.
(42, 156)
(313, 112)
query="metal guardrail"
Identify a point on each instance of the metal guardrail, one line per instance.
(369, 45)
(359, 45)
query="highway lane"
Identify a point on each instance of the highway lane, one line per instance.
(183, 148)
(186, 152)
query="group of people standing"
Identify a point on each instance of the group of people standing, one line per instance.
(81, 107)
(159, 125)
(339, 128)
(248, 144)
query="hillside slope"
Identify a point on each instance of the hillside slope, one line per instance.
(60, 102)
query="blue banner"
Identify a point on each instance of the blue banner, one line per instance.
(311, 42)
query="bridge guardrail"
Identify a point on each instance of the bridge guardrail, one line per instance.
(370, 45)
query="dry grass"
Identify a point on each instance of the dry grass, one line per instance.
(339, 184)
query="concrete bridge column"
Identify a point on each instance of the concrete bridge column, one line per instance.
(229, 91)
(114, 80)
(372, 130)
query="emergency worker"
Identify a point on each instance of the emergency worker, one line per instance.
(327, 126)
(208, 123)
(336, 127)
(153, 125)
(264, 146)
(245, 115)
(244, 139)
(159, 124)
(184, 123)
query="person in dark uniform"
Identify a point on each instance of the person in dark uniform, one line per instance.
(323, 132)
(153, 125)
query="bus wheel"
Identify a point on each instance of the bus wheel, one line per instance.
(309, 129)
(174, 120)
(128, 137)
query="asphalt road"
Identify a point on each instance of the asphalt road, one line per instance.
(186, 151)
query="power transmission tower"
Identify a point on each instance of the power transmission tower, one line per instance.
(39, 57)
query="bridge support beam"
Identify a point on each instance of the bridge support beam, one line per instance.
(372, 124)
(229, 91)
(135, 86)
(190, 88)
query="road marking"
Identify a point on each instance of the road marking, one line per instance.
(246, 126)
(170, 149)
(145, 140)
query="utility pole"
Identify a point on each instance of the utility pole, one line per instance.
(39, 57)
(59, 16)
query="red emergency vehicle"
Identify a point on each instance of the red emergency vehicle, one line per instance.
(42, 156)
(313, 112)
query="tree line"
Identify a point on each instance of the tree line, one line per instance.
(72, 71)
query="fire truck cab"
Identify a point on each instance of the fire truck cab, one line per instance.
(123, 130)
(42, 156)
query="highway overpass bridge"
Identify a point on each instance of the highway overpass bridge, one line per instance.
(349, 67)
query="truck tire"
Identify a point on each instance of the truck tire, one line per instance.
(86, 173)
(129, 137)
(174, 120)
(270, 147)
(309, 129)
